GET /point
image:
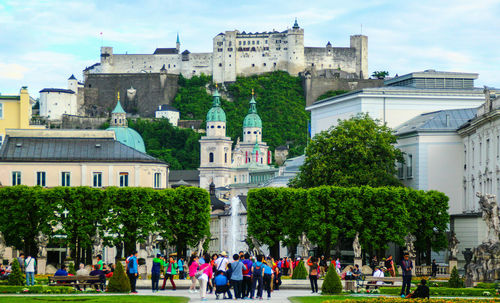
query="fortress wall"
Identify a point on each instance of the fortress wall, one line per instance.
(152, 90)
(331, 58)
(141, 63)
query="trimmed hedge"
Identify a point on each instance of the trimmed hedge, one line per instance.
(455, 280)
(119, 281)
(444, 291)
(37, 289)
(16, 276)
(331, 284)
(300, 272)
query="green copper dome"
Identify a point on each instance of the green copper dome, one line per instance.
(129, 137)
(252, 119)
(216, 113)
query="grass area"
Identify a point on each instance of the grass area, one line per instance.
(94, 299)
(320, 299)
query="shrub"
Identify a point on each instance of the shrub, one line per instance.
(37, 289)
(300, 272)
(487, 285)
(331, 284)
(455, 280)
(16, 276)
(71, 268)
(119, 282)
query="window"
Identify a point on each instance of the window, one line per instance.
(16, 178)
(123, 179)
(400, 170)
(97, 179)
(225, 157)
(65, 179)
(480, 153)
(211, 157)
(1, 110)
(157, 180)
(498, 145)
(487, 150)
(409, 167)
(239, 43)
(40, 178)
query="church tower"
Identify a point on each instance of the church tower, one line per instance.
(253, 148)
(118, 115)
(178, 44)
(215, 148)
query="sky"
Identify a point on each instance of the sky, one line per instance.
(43, 42)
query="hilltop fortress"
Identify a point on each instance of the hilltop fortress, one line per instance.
(243, 54)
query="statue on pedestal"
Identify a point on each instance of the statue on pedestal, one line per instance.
(356, 247)
(42, 241)
(305, 243)
(2, 246)
(410, 245)
(489, 207)
(199, 251)
(453, 246)
(98, 247)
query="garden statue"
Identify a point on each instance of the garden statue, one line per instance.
(98, 247)
(489, 207)
(453, 246)
(305, 243)
(42, 241)
(410, 245)
(356, 247)
(199, 251)
(256, 247)
(2, 246)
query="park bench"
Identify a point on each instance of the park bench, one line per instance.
(371, 281)
(75, 281)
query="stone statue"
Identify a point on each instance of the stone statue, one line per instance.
(305, 243)
(410, 246)
(256, 247)
(199, 251)
(131, 93)
(2, 246)
(489, 207)
(42, 241)
(356, 247)
(150, 245)
(453, 246)
(98, 247)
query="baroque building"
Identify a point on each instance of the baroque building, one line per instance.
(236, 53)
(234, 170)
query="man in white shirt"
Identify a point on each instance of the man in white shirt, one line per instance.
(82, 271)
(221, 262)
(379, 274)
(29, 265)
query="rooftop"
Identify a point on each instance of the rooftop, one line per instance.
(57, 90)
(167, 107)
(186, 175)
(166, 51)
(438, 121)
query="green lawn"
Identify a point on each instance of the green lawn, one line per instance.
(92, 299)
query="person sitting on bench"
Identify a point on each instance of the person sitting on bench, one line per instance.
(422, 291)
(102, 278)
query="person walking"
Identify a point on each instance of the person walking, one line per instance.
(29, 266)
(257, 274)
(268, 276)
(247, 276)
(193, 268)
(180, 267)
(322, 266)
(155, 273)
(286, 266)
(170, 272)
(237, 268)
(389, 264)
(100, 262)
(132, 271)
(205, 274)
(313, 273)
(434, 268)
(407, 267)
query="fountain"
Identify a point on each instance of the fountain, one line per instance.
(235, 224)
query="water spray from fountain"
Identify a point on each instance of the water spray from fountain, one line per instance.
(235, 224)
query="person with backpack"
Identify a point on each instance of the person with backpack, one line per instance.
(204, 274)
(257, 275)
(246, 286)
(170, 272)
(237, 269)
(313, 273)
(155, 273)
(268, 276)
(29, 266)
(132, 271)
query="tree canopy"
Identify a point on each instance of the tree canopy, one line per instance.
(358, 151)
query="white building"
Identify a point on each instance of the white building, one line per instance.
(236, 53)
(55, 102)
(169, 112)
(402, 99)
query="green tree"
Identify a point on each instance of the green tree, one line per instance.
(16, 275)
(358, 151)
(332, 284)
(130, 217)
(71, 269)
(293, 217)
(23, 217)
(455, 280)
(300, 272)
(183, 216)
(119, 281)
(78, 213)
(380, 74)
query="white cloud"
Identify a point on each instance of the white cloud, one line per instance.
(12, 71)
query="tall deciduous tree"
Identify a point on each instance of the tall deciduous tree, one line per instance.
(358, 151)
(23, 217)
(78, 211)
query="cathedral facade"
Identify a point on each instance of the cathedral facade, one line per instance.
(234, 170)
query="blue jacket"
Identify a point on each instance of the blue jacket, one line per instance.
(180, 264)
(156, 269)
(132, 265)
(220, 280)
(405, 265)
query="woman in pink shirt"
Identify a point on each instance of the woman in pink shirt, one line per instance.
(193, 268)
(207, 274)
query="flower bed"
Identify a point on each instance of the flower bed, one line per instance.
(443, 291)
(37, 289)
(401, 300)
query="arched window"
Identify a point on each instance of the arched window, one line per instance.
(218, 126)
(212, 126)
(211, 157)
(225, 157)
(255, 132)
(249, 132)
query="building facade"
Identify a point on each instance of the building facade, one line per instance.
(237, 53)
(15, 112)
(168, 112)
(52, 158)
(402, 99)
(239, 169)
(55, 102)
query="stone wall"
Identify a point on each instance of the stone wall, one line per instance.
(79, 122)
(151, 90)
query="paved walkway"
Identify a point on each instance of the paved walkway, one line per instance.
(280, 296)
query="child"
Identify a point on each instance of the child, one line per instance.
(222, 286)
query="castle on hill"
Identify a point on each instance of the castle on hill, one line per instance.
(243, 54)
(237, 170)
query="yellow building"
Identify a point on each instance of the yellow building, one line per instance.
(15, 112)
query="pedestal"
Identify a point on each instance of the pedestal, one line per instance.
(41, 264)
(359, 262)
(452, 263)
(143, 272)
